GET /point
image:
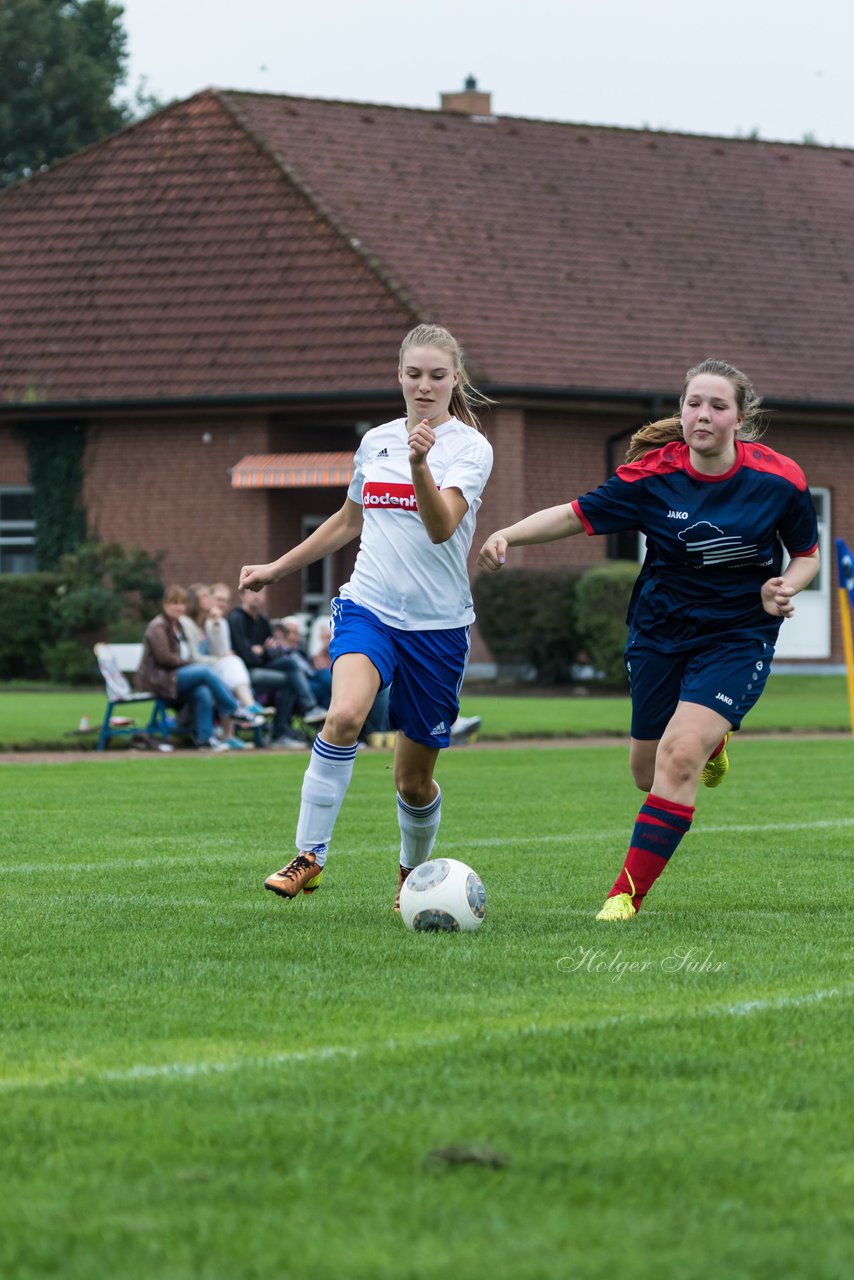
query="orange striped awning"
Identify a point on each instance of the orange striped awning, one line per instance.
(292, 470)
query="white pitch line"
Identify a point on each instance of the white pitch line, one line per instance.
(176, 1071)
(118, 864)
(484, 842)
(821, 824)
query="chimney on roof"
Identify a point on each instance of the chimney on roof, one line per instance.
(471, 101)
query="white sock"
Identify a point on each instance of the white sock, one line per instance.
(323, 790)
(418, 830)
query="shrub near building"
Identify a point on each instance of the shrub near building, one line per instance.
(546, 619)
(27, 623)
(50, 621)
(602, 600)
(528, 618)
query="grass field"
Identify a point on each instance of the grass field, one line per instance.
(203, 1082)
(38, 717)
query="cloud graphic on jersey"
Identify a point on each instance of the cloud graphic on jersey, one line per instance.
(703, 528)
(713, 546)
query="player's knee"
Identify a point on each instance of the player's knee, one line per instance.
(344, 720)
(681, 758)
(414, 786)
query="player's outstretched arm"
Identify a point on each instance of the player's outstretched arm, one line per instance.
(547, 525)
(334, 533)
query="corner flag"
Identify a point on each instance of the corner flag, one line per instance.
(845, 564)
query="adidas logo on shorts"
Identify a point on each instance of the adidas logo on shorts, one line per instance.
(383, 453)
(440, 728)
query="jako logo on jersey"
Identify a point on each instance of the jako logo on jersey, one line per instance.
(388, 497)
(721, 697)
(677, 515)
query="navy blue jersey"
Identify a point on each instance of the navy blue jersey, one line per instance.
(712, 541)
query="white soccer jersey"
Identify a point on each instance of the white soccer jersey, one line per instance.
(400, 575)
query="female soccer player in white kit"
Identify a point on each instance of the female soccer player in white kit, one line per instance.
(403, 619)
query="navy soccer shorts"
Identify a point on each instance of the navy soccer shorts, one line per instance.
(725, 675)
(423, 669)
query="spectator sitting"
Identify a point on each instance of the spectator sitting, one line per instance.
(319, 651)
(287, 640)
(217, 630)
(165, 669)
(201, 609)
(276, 674)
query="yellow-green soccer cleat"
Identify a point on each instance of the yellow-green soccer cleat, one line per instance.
(714, 771)
(620, 907)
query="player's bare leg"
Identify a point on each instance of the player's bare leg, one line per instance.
(355, 685)
(419, 804)
(642, 761)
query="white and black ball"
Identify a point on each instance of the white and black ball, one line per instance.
(443, 896)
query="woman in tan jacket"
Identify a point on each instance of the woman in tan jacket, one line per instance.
(167, 671)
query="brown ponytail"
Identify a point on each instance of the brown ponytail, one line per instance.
(655, 435)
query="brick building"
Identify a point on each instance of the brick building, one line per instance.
(230, 279)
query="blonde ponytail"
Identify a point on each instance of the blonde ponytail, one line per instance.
(465, 399)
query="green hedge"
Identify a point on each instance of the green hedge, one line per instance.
(603, 597)
(50, 621)
(27, 623)
(550, 619)
(528, 618)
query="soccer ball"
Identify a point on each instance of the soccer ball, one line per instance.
(443, 896)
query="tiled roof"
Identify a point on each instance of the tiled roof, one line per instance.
(252, 244)
(567, 255)
(176, 260)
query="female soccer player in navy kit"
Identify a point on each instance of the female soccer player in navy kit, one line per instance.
(709, 600)
(403, 619)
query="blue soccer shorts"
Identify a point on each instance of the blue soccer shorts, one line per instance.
(725, 675)
(423, 670)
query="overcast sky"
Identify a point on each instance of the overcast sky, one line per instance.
(781, 67)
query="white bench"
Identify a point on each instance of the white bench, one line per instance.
(117, 662)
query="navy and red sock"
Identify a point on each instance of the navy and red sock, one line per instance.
(659, 827)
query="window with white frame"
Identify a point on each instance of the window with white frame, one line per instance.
(317, 588)
(17, 530)
(807, 633)
(821, 502)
